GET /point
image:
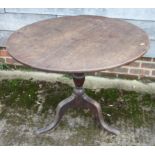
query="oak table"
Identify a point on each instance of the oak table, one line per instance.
(78, 45)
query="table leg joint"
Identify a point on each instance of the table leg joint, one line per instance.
(79, 99)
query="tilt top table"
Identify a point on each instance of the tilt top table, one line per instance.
(78, 45)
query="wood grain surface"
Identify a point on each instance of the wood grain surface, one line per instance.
(78, 44)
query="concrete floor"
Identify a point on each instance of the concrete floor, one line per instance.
(18, 128)
(18, 124)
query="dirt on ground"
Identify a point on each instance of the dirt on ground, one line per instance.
(27, 105)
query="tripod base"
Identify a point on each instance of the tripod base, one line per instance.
(79, 99)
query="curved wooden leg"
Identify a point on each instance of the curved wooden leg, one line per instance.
(60, 110)
(96, 110)
(79, 99)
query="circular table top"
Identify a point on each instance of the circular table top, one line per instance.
(78, 44)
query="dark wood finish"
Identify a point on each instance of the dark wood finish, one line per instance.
(76, 100)
(78, 44)
(78, 79)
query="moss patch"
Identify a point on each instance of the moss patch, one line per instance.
(21, 100)
(28, 94)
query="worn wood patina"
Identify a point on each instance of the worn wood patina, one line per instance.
(78, 45)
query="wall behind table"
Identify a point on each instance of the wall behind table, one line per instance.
(12, 19)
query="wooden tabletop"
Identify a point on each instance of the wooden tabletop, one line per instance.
(78, 44)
